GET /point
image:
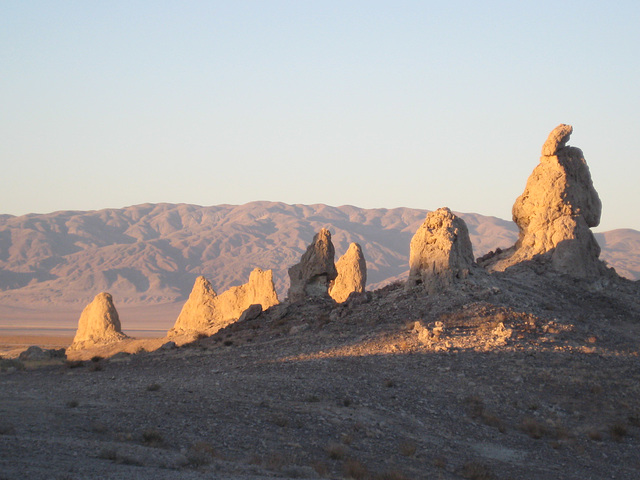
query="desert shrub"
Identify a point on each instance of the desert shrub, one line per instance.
(72, 403)
(108, 454)
(533, 428)
(280, 421)
(595, 435)
(7, 429)
(476, 471)
(391, 475)
(355, 469)
(96, 367)
(152, 438)
(335, 451)
(320, 468)
(74, 363)
(312, 399)
(97, 427)
(96, 358)
(227, 343)
(389, 383)
(154, 387)
(618, 431)
(7, 363)
(346, 439)
(407, 449)
(200, 454)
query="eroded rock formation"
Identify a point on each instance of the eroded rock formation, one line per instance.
(316, 270)
(352, 274)
(555, 212)
(99, 324)
(206, 312)
(440, 251)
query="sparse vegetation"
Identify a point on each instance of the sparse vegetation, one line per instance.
(336, 451)
(152, 438)
(407, 448)
(476, 471)
(7, 364)
(74, 363)
(355, 469)
(154, 387)
(72, 404)
(618, 431)
(200, 454)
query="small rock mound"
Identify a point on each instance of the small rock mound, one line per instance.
(99, 324)
(555, 213)
(352, 274)
(206, 312)
(316, 270)
(440, 251)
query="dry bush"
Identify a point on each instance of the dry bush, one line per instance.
(6, 428)
(391, 475)
(280, 421)
(595, 435)
(154, 387)
(73, 363)
(10, 363)
(152, 438)
(321, 468)
(408, 448)
(346, 438)
(96, 358)
(533, 428)
(72, 404)
(200, 454)
(312, 399)
(336, 451)
(97, 427)
(476, 471)
(618, 431)
(355, 469)
(96, 367)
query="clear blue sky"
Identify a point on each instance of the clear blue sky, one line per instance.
(376, 104)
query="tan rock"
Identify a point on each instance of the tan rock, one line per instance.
(440, 251)
(199, 311)
(556, 140)
(352, 274)
(206, 312)
(316, 270)
(99, 324)
(554, 214)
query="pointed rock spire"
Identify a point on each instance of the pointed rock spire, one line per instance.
(352, 274)
(316, 270)
(99, 323)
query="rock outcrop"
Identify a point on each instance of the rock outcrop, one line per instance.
(206, 312)
(440, 251)
(199, 311)
(316, 270)
(555, 212)
(99, 324)
(352, 274)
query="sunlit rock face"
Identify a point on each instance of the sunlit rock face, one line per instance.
(99, 324)
(316, 270)
(206, 312)
(199, 311)
(555, 212)
(441, 251)
(352, 274)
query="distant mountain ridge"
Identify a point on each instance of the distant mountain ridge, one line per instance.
(152, 253)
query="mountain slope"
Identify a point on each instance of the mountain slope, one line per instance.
(151, 253)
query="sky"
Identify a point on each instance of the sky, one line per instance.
(378, 104)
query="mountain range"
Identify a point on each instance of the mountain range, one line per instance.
(150, 254)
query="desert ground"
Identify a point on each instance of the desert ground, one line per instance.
(529, 375)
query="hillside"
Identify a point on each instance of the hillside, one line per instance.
(150, 254)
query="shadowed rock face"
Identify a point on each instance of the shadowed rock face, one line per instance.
(99, 323)
(316, 270)
(352, 274)
(555, 212)
(207, 312)
(441, 251)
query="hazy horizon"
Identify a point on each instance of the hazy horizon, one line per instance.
(373, 104)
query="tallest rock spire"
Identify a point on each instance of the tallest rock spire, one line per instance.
(555, 212)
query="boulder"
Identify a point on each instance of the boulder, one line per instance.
(555, 212)
(254, 311)
(34, 353)
(440, 251)
(206, 312)
(352, 274)
(99, 324)
(316, 270)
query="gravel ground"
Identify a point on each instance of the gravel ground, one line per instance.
(512, 376)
